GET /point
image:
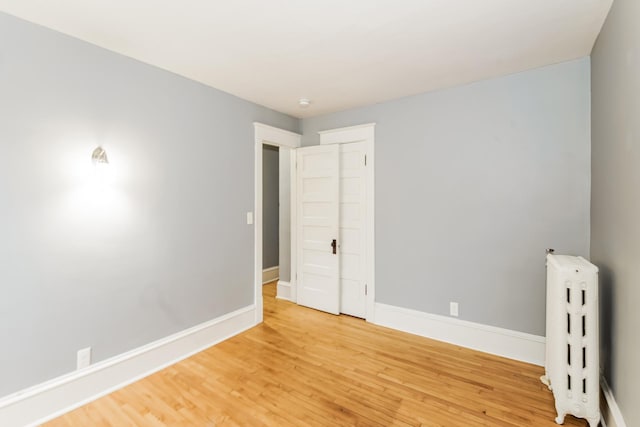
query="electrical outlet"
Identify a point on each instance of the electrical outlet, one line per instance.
(453, 309)
(84, 358)
(249, 218)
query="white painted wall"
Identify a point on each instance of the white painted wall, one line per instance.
(615, 201)
(270, 206)
(473, 183)
(159, 246)
(285, 214)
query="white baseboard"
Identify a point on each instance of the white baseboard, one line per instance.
(270, 274)
(489, 339)
(611, 415)
(53, 398)
(284, 291)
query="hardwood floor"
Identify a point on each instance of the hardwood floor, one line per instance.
(302, 367)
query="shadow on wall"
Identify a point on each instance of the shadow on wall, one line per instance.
(606, 290)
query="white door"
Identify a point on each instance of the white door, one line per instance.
(352, 236)
(318, 213)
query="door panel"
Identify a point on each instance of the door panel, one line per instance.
(352, 229)
(318, 214)
(332, 205)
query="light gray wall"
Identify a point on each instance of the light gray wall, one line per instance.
(270, 201)
(472, 184)
(161, 247)
(615, 203)
(285, 215)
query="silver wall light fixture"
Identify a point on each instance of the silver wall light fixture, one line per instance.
(99, 157)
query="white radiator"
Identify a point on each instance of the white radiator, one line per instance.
(571, 364)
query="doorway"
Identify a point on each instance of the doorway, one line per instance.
(288, 142)
(285, 142)
(270, 213)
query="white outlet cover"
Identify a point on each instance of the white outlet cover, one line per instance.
(84, 358)
(453, 309)
(249, 218)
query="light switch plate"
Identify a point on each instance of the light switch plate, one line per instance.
(249, 218)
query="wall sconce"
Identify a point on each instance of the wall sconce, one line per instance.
(99, 157)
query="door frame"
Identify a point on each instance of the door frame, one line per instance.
(362, 133)
(265, 134)
(269, 135)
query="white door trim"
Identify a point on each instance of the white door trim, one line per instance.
(362, 133)
(275, 136)
(293, 279)
(265, 134)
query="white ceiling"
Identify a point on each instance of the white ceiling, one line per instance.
(338, 53)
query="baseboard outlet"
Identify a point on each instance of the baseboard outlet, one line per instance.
(51, 399)
(270, 274)
(610, 412)
(284, 291)
(489, 339)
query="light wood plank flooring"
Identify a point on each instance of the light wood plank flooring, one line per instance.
(302, 367)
